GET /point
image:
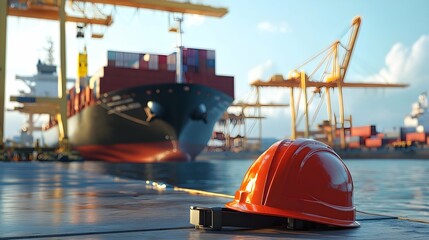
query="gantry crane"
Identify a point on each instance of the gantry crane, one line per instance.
(330, 79)
(258, 105)
(56, 10)
(239, 119)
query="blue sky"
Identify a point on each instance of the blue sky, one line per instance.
(257, 39)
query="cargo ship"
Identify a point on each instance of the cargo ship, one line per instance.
(135, 110)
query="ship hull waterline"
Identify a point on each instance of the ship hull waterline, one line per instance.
(152, 123)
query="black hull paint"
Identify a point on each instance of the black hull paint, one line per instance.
(178, 116)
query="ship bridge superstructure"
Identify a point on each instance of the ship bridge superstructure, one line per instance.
(419, 116)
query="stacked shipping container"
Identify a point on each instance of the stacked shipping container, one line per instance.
(367, 136)
(419, 137)
(415, 134)
(374, 142)
(193, 60)
(126, 70)
(78, 101)
(355, 141)
(364, 131)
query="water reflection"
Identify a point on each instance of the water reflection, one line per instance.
(72, 192)
(394, 187)
(216, 176)
(48, 191)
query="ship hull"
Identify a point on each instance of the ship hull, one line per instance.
(161, 122)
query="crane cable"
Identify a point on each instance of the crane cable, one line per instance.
(308, 103)
(327, 59)
(317, 109)
(313, 57)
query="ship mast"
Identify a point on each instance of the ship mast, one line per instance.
(50, 52)
(179, 57)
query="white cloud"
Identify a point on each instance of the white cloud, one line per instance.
(266, 26)
(388, 107)
(405, 65)
(281, 27)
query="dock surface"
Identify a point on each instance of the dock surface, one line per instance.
(61, 201)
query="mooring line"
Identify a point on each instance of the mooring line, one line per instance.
(213, 194)
(413, 220)
(395, 217)
(201, 192)
(377, 214)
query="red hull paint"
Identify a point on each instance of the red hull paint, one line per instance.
(135, 152)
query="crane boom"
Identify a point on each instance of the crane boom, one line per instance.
(167, 5)
(294, 84)
(53, 14)
(355, 25)
(49, 10)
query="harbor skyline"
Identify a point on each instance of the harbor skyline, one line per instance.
(254, 41)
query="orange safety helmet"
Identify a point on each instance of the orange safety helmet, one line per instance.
(302, 179)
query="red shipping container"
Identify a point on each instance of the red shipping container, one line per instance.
(211, 71)
(162, 59)
(71, 102)
(185, 56)
(373, 142)
(202, 69)
(192, 69)
(416, 137)
(192, 52)
(72, 92)
(202, 54)
(162, 67)
(119, 78)
(111, 63)
(88, 96)
(363, 131)
(354, 144)
(202, 64)
(143, 64)
(82, 101)
(76, 103)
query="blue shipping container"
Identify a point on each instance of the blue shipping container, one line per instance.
(211, 63)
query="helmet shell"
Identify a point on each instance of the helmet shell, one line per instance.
(302, 179)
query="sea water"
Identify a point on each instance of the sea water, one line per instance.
(391, 187)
